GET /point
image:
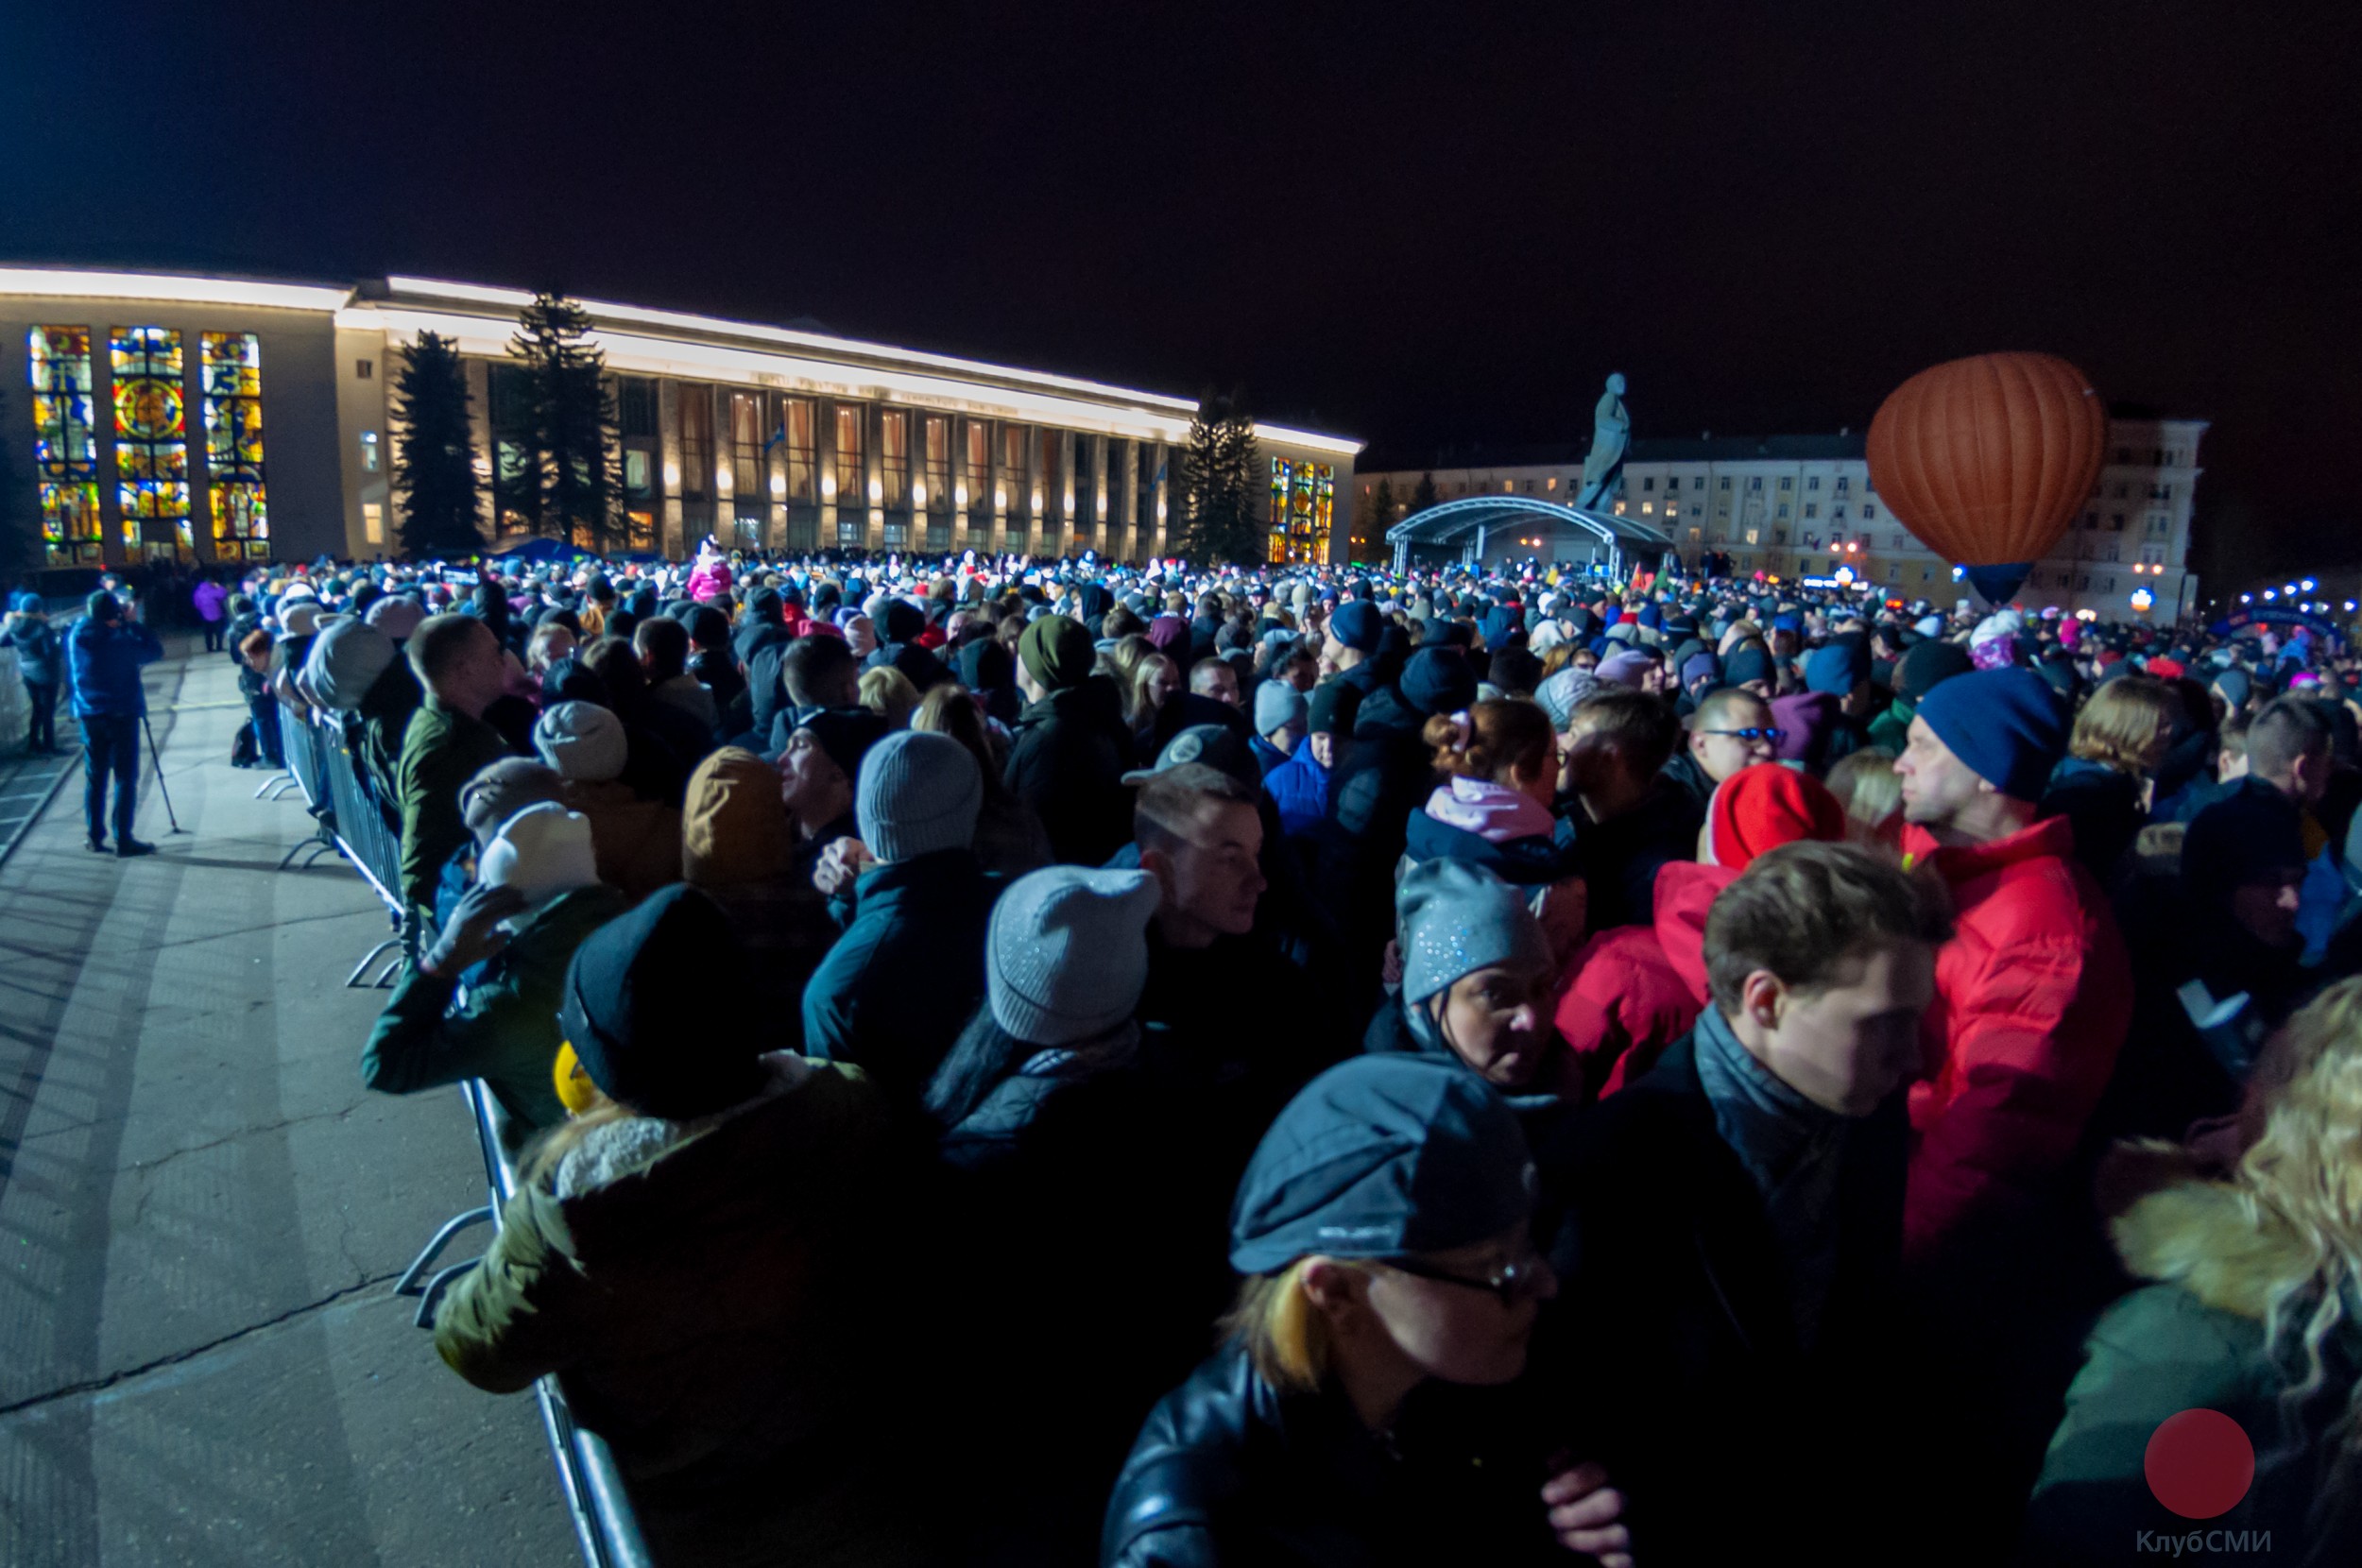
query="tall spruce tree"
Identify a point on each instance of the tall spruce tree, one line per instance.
(575, 473)
(1423, 494)
(1382, 514)
(1219, 483)
(435, 478)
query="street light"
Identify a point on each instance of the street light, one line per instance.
(2247, 598)
(2269, 594)
(2308, 585)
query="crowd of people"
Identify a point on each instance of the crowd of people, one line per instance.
(1014, 1061)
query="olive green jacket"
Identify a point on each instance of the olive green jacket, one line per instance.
(440, 752)
(505, 1030)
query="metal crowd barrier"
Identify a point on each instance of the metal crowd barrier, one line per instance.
(351, 823)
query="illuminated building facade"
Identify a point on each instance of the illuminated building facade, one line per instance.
(1791, 506)
(144, 401)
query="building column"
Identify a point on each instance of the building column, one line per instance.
(1129, 503)
(672, 524)
(1161, 500)
(872, 475)
(480, 449)
(824, 447)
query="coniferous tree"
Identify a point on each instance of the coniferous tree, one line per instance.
(1423, 494)
(1219, 483)
(435, 478)
(574, 480)
(1382, 514)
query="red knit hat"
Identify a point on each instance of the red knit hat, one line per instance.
(2167, 669)
(1765, 806)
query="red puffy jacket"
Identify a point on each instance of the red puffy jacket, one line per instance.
(2033, 994)
(1636, 989)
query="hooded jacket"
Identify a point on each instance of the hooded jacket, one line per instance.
(701, 1286)
(36, 644)
(638, 842)
(1067, 761)
(1636, 989)
(2193, 1338)
(1299, 787)
(2033, 994)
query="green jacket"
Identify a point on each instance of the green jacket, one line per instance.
(440, 752)
(1892, 729)
(506, 1031)
(2193, 1340)
(719, 1294)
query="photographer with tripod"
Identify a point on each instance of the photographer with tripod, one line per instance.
(105, 653)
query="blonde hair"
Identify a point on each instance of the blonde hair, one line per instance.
(1136, 709)
(2123, 726)
(888, 692)
(1286, 1337)
(2302, 1181)
(1872, 791)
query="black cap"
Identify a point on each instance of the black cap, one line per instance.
(653, 1011)
(1383, 1156)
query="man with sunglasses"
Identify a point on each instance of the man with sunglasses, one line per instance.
(1730, 730)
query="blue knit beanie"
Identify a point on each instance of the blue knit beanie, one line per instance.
(2004, 723)
(1358, 625)
(1838, 667)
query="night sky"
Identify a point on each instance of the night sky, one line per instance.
(1420, 226)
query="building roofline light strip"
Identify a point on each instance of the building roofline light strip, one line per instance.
(70, 284)
(825, 343)
(640, 353)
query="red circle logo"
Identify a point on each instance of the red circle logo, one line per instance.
(2199, 1463)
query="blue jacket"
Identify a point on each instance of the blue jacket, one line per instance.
(1299, 787)
(103, 661)
(908, 973)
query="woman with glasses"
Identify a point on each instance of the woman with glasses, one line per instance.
(1389, 1276)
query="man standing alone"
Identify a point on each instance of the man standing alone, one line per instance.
(105, 654)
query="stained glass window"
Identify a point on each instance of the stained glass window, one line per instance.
(66, 444)
(232, 384)
(151, 440)
(1303, 506)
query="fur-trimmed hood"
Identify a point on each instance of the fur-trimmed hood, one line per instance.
(2213, 1241)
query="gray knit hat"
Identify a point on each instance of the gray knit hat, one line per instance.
(1279, 706)
(582, 740)
(1457, 917)
(1067, 957)
(345, 661)
(920, 791)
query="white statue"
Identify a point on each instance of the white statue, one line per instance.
(1611, 426)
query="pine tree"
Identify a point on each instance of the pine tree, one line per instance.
(575, 482)
(1380, 515)
(1219, 483)
(1423, 494)
(435, 478)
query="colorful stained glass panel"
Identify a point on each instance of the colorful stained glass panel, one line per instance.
(151, 438)
(231, 372)
(1303, 503)
(66, 444)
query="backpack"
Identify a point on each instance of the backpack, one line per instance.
(245, 751)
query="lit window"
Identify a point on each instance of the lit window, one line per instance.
(373, 521)
(151, 442)
(66, 444)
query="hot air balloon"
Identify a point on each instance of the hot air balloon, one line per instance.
(1986, 460)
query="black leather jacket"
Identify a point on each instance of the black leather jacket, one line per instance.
(1229, 1471)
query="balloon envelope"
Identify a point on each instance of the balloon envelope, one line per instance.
(1987, 459)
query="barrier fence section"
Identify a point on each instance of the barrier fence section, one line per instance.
(354, 823)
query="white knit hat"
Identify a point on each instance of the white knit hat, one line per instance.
(542, 851)
(1067, 957)
(583, 742)
(921, 791)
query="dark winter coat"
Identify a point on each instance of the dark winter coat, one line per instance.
(1067, 761)
(1229, 1471)
(104, 659)
(2103, 804)
(1621, 856)
(1674, 1320)
(909, 971)
(36, 644)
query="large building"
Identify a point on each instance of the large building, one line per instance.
(215, 418)
(1796, 506)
